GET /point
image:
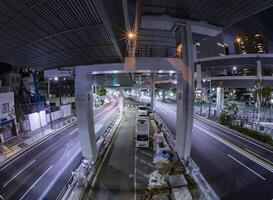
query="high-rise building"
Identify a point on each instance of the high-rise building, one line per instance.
(250, 42)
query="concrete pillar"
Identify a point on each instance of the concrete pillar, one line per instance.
(84, 111)
(259, 69)
(204, 94)
(1, 138)
(163, 95)
(220, 98)
(153, 93)
(121, 99)
(185, 90)
(198, 77)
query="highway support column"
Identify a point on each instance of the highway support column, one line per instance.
(84, 111)
(198, 77)
(185, 90)
(153, 93)
(220, 98)
(121, 99)
(259, 69)
(164, 95)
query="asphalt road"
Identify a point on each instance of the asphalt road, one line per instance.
(43, 171)
(231, 175)
(116, 177)
(125, 172)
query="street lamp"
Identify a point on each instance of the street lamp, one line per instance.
(204, 80)
(48, 96)
(131, 37)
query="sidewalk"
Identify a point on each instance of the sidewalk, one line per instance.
(17, 143)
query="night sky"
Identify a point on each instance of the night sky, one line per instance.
(262, 22)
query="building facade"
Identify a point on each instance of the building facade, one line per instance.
(250, 42)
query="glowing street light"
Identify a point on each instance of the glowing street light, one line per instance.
(131, 35)
(56, 78)
(238, 40)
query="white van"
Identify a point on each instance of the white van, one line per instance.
(142, 132)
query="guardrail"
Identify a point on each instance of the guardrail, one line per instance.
(204, 186)
(84, 170)
(65, 123)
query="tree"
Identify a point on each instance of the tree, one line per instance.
(228, 114)
(101, 91)
(261, 96)
(240, 94)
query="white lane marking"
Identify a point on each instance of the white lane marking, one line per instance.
(259, 156)
(235, 148)
(15, 159)
(146, 163)
(60, 172)
(109, 108)
(247, 167)
(22, 197)
(135, 184)
(73, 131)
(237, 135)
(147, 154)
(18, 173)
(32, 148)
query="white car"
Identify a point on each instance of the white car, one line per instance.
(143, 111)
(142, 132)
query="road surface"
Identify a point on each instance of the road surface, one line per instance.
(43, 171)
(232, 175)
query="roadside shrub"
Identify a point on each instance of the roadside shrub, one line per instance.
(254, 134)
(226, 119)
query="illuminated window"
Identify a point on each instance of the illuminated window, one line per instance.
(5, 108)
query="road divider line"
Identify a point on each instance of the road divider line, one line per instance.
(22, 197)
(247, 167)
(18, 173)
(237, 149)
(259, 156)
(32, 147)
(135, 171)
(73, 131)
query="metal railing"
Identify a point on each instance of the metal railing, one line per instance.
(162, 52)
(65, 123)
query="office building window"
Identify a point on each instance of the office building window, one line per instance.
(5, 108)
